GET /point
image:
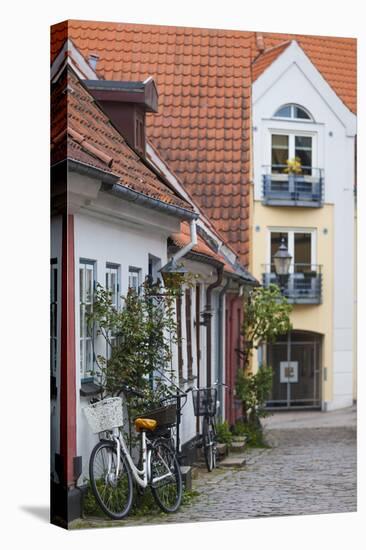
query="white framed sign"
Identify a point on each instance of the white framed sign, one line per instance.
(289, 372)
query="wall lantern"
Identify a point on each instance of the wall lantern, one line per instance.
(173, 274)
(282, 261)
(206, 315)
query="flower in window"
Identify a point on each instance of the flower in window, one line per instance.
(293, 166)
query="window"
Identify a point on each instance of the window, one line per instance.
(86, 294)
(112, 286)
(134, 278)
(280, 152)
(139, 133)
(292, 111)
(53, 317)
(289, 146)
(154, 267)
(301, 246)
(112, 283)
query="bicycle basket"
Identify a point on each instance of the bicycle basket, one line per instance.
(104, 415)
(164, 416)
(204, 401)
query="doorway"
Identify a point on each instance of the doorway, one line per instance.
(295, 359)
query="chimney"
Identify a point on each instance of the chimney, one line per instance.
(260, 42)
(126, 104)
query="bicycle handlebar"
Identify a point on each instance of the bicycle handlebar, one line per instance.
(128, 390)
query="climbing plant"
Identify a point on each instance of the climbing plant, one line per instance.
(266, 316)
(139, 338)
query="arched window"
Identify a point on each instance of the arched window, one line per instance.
(293, 111)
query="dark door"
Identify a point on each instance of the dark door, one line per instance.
(296, 365)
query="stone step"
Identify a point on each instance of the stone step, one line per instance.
(186, 472)
(234, 460)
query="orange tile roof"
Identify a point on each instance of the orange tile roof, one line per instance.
(266, 58)
(202, 129)
(182, 238)
(204, 81)
(335, 58)
(93, 140)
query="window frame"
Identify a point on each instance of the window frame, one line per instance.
(291, 231)
(109, 267)
(86, 375)
(292, 134)
(136, 271)
(292, 117)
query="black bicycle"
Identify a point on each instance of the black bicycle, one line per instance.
(205, 405)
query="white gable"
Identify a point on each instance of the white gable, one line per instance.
(294, 70)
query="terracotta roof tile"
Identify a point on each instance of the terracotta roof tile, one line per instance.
(204, 81)
(335, 58)
(93, 140)
(182, 238)
(204, 84)
(266, 58)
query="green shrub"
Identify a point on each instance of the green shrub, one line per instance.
(253, 433)
(223, 433)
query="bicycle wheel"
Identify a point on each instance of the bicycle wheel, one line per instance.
(209, 443)
(166, 478)
(113, 492)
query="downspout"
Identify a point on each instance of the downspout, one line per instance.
(183, 251)
(221, 347)
(215, 284)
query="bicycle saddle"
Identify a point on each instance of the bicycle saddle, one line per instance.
(145, 424)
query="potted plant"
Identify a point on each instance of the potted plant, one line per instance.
(223, 438)
(294, 171)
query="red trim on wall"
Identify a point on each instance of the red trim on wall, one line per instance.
(234, 319)
(68, 358)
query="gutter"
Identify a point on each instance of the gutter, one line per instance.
(183, 251)
(91, 171)
(221, 347)
(150, 202)
(110, 185)
(210, 288)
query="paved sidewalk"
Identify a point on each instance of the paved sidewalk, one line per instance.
(311, 419)
(307, 470)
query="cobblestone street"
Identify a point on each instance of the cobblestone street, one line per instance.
(307, 470)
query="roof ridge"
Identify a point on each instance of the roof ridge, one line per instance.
(268, 50)
(151, 26)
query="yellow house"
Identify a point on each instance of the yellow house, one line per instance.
(297, 115)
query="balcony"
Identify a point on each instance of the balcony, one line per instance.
(281, 189)
(303, 286)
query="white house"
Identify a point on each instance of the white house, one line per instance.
(113, 212)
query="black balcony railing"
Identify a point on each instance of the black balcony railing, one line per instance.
(303, 286)
(282, 189)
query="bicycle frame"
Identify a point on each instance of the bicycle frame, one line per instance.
(143, 476)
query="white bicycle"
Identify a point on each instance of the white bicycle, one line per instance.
(112, 470)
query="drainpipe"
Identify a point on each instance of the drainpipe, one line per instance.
(221, 346)
(178, 255)
(215, 284)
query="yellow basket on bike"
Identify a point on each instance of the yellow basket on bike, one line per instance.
(205, 401)
(105, 414)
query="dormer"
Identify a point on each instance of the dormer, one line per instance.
(126, 103)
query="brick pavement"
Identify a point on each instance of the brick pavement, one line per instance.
(306, 471)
